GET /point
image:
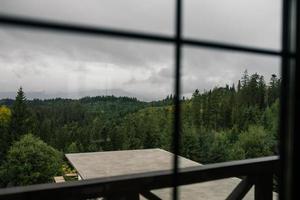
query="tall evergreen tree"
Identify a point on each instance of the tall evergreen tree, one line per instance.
(196, 110)
(245, 79)
(262, 92)
(239, 86)
(273, 90)
(20, 119)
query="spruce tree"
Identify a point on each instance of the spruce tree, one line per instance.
(20, 119)
(274, 89)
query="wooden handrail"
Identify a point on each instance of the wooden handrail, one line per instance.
(136, 183)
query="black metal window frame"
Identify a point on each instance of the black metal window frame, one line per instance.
(258, 171)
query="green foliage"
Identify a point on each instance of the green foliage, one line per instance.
(67, 169)
(224, 123)
(5, 118)
(190, 143)
(147, 128)
(273, 90)
(255, 142)
(219, 150)
(31, 161)
(271, 118)
(72, 148)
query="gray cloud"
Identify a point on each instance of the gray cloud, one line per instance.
(248, 22)
(205, 69)
(46, 61)
(144, 15)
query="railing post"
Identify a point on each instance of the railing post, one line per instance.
(263, 188)
(241, 189)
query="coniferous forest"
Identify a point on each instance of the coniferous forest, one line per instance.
(224, 123)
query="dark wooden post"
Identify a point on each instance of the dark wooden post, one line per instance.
(263, 188)
(241, 189)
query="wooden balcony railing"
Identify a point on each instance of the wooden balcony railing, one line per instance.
(258, 172)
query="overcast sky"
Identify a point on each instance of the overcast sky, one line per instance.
(56, 63)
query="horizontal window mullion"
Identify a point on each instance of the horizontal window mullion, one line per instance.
(82, 29)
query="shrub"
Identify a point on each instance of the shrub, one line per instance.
(31, 161)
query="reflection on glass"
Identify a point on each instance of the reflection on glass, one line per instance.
(231, 106)
(244, 22)
(69, 95)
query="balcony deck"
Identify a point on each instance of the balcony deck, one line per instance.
(115, 163)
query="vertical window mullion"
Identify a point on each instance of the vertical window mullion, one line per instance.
(290, 87)
(177, 113)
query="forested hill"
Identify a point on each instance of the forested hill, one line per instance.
(110, 107)
(224, 123)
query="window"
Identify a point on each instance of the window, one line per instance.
(289, 56)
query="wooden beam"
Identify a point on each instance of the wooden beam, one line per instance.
(241, 189)
(150, 195)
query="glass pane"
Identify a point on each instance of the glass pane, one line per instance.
(231, 106)
(245, 22)
(82, 94)
(142, 15)
(230, 111)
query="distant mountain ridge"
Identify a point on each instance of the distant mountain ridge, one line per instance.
(69, 95)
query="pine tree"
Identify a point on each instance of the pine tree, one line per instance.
(20, 119)
(245, 78)
(273, 89)
(196, 109)
(239, 86)
(262, 92)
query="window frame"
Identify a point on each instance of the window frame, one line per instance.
(289, 107)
